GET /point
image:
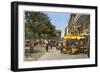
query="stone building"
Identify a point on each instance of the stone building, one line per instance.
(79, 24)
(58, 35)
(66, 31)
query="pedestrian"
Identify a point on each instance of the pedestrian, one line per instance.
(61, 48)
(31, 46)
(51, 44)
(57, 46)
(47, 47)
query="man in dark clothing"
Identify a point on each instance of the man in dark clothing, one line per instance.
(61, 48)
(47, 46)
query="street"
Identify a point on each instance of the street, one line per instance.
(53, 54)
(68, 32)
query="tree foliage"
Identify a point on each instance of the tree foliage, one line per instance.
(38, 25)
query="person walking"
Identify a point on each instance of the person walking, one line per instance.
(31, 46)
(51, 44)
(61, 48)
(47, 46)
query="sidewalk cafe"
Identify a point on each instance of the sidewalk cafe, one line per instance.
(75, 44)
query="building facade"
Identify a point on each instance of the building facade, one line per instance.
(79, 24)
(66, 31)
(58, 35)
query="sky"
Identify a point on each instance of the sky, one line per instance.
(59, 20)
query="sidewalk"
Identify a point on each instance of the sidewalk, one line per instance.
(53, 54)
(37, 53)
(56, 55)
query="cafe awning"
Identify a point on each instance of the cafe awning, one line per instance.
(73, 37)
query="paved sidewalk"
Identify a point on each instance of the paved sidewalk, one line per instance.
(37, 53)
(56, 55)
(53, 54)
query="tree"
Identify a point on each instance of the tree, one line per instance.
(38, 25)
